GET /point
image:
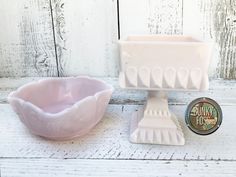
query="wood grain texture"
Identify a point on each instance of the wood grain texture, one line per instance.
(86, 36)
(222, 91)
(57, 37)
(109, 140)
(225, 32)
(214, 20)
(106, 151)
(57, 7)
(134, 168)
(150, 17)
(26, 40)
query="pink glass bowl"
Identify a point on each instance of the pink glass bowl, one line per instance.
(61, 108)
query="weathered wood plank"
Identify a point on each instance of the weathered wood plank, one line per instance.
(109, 140)
(74, 167)
(215, 20)
(150, 17)
(26, 39)
(222, 91)
(86, 36)
(57, 7)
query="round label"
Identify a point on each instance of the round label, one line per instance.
(203, 116)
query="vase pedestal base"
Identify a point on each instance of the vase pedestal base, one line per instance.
(156, 124)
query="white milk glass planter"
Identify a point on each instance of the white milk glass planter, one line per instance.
(161, 63)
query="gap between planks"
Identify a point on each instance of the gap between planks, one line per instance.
(120, 159)
(45, 167)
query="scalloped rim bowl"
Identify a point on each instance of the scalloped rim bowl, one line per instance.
(61, 108)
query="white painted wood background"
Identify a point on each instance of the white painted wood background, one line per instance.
(41, 38)
(62, 38)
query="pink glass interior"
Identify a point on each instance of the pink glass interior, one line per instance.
(54, 96)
